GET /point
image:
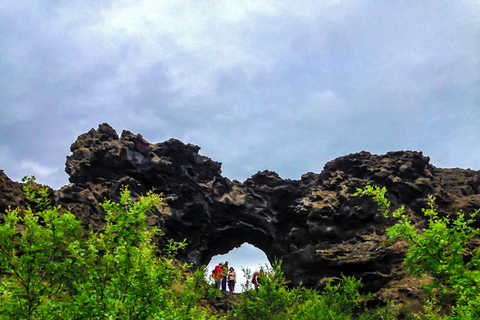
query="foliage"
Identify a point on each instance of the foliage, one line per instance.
(35, 263)
(247, 272)
(275, 300)
(50, 271)
(441, 251)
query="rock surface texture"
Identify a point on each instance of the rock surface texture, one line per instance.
(314, 224)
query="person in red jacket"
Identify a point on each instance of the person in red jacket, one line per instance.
(255, 280)
(218, 275)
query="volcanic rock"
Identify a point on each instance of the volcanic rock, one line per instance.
(314, 225)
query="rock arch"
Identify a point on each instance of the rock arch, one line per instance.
(314, 224)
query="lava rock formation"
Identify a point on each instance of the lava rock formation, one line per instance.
(314, 225)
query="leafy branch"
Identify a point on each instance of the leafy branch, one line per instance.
(440, 250)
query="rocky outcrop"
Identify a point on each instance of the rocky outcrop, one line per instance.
(314, 224)
(11, 194)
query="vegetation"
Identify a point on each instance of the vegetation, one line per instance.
(275, 300)
(52, 268)
(442, 251)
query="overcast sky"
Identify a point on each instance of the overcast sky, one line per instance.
(279, 85)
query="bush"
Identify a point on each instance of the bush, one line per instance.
(275, 300)
(441, 251)
(49, 271)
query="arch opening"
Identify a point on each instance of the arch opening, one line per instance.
(245, 256)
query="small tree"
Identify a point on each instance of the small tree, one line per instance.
(49, 271)
(121, 276)
(273, 300)
(442, 251)
(247, 273)
(34, 255)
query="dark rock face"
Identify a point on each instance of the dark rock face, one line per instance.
(314, 224)
(11, 194)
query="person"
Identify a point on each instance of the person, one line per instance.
(224, 273)
(261, 276)
(232, 279)
(255, 280)
(218, 275)
(258, 278)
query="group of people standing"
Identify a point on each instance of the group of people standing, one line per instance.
(224, 277)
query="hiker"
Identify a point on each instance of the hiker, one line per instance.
(224, 274)
(261, 276)
(218, 275)
(258, 278)
(232, 279)
(255, 280)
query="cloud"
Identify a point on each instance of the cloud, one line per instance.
(285, 86)
(37, 167)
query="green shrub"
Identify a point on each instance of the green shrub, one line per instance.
(49, 271)
(275, 300)
(441, 251)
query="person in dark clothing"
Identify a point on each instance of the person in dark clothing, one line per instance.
(224, 273)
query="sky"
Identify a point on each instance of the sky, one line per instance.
(259, 85)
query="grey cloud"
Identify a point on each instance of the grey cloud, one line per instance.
(285, 87)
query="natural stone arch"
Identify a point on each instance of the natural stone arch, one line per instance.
(314, 224)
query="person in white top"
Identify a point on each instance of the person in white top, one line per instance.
(232, 279)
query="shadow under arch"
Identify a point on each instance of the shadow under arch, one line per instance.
(229, 238)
